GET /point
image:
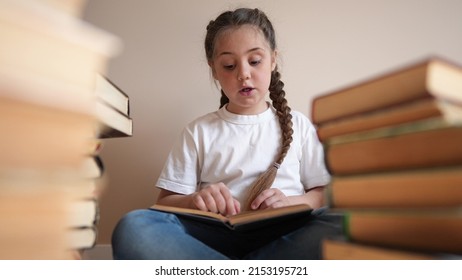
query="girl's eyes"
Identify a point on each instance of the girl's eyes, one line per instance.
(232, 66)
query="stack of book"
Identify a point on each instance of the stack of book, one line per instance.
(84, 208)
(113, 114)
(49, 58)
(113, 109)
(393, 145)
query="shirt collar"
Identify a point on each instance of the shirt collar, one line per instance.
(268, 114)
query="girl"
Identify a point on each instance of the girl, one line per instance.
(219, 161)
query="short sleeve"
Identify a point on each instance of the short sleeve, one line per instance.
(180, 173)
(313, 169)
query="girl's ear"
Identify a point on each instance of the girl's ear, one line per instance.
(274, 60)
(212, 68)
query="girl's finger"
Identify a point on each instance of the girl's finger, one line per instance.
(237, 206)
(228, 200)
(264, 195)
(210, 202)
(199, 202)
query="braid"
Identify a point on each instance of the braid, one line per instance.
(277, 95)
(224, 99)
(266, 179)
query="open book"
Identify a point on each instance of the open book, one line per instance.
(247, 220)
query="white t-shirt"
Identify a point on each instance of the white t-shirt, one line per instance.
(235, 149)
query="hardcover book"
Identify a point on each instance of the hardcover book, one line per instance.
(340, 249)
(421, 188)
(246, 220)
(433, 78)
(433, 230)
(417, 145)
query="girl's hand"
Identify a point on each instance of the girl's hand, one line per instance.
(270, 198)
(216, 198)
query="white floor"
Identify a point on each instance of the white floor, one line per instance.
(99, 252)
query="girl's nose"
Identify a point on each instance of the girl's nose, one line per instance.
(243, 73)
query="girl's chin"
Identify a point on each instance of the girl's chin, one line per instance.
(247, 93)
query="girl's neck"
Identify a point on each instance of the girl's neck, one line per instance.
(254, 110)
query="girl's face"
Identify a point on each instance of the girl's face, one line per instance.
(242, 64)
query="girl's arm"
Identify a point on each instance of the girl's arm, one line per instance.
(314, 197)
(274, 198)
(170, 198)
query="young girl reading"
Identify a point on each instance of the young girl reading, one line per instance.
(250, 154)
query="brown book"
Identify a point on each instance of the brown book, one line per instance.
(400, 114)
(426, 187)
(44, 215)
(33, 217)
(48, 61)
(245, 220)
(65, 48)
(338, 249)
(417, 145)
(432, 230)
(35, 136)
(431, 78)
(73, 8)
(85, 188)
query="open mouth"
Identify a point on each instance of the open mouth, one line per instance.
(246, 91)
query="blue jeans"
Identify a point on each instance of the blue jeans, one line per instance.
(150, 234)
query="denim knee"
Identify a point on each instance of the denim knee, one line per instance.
(130, 237)
(150, 234)
(129, 222)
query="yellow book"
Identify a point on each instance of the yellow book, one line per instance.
(35, 136)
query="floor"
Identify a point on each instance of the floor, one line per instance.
(99, 252)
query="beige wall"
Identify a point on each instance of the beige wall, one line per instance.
(324, 45)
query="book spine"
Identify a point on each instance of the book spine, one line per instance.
(414, 150)
(432, 231)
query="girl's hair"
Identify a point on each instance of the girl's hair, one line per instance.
(255, 17)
